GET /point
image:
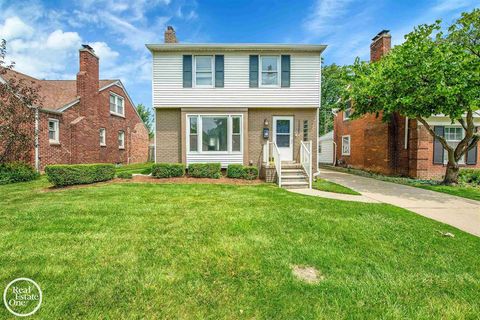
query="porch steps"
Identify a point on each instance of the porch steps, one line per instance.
(293, 176)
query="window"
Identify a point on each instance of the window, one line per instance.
(214, 133)
(203, 71)
(345, 145)
(102, 137)
(121, 139)
(269, 75)
(305, 130)
(116, 104)
(348, 110)
(453, 135)
(53, 131)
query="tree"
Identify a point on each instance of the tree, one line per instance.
(19, 104)
(332, 86)
(432, 73)
(147, 118)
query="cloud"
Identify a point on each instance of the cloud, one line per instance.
(13, 28)
(326, 11)
(59, 40)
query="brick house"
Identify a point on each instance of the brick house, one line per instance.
(251, 104)
(400, 147)
(86, 120)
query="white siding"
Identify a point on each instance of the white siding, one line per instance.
(326, 148)
(168, 88)
(224, 159)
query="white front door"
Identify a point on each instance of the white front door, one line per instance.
(283, 136)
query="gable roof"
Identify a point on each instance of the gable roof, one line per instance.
(56, 95)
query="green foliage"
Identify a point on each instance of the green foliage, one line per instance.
(333, 83)
(205, 170)
(124, 175)
(66, 175)
(470, 176)
(168, 170)
(16, 172)
(146, 115)
(238, 171)
(141, 168)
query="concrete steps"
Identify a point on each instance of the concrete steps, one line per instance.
(293, 176)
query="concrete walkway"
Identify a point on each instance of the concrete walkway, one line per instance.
(459, 212)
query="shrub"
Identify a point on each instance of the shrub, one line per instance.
(16, 172)
(168, 170)
(250, 173)
(205, 170)
(67, 175)
(470, 176)
(124, 175)
(235, 171)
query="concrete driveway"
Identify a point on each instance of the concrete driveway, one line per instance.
(459, 212)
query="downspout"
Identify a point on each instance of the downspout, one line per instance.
(318, 113)
(334, 152)
(36, 144)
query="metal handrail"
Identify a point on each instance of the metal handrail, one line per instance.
(306, 160)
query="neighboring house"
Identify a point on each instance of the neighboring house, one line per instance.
(86, 120)
(326, 148)
(400, 147)
(223, 102)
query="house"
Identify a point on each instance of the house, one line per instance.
(400, 147)
(326, 148)
(251, 104)
(86, 120)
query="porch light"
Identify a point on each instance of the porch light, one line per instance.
(265, 122)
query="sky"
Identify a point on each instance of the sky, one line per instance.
(43, 37)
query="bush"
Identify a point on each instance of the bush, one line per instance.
(168, 170)
(67, 175)
(16, 172)
(124, 175)
(238, 171)
(470, 176)
(205, 170)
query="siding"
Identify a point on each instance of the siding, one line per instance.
(326, 154)
(168, 88)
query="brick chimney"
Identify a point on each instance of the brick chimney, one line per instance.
(87, 76)
(170, 36)
(381, 44)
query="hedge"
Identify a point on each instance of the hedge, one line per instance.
(470, 176)
(168, 170)
(238, 171)
(12, 172)
(205, 170)
(67, 175)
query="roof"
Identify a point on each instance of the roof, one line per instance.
(169, 47)
(55, 94)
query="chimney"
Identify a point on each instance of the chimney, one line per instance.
(380, 46)
(170, 36)
(87, 76)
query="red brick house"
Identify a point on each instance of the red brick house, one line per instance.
(400, 147)
(86, 120)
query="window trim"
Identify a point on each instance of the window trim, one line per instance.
(349, 145)
(57, 131)
(121, 146)
(349, 109)
(212, 71)
(260, 72)
(104, 136)
(199, 116)
(117, 97)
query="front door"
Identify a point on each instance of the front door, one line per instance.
(283, 136)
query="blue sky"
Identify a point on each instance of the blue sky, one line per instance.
(44, 36)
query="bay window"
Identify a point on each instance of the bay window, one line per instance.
(214, 133)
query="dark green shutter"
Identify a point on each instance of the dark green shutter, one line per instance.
(219, 73)
(472, 154)
(285, 71)
(253, 71)
(187, 71)
(438, 152)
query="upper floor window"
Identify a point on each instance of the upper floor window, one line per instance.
(53, 131)
(121, 139)
(347, 113)
(204, 71)
(103, 140)
(269, 73)
(117, 104)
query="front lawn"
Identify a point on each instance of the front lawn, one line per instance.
(155, 251)
(325, 185)
(143, 168)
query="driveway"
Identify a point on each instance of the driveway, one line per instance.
(459, 212)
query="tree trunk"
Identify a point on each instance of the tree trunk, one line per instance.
(451, 174)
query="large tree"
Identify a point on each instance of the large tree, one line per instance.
(147, 117)
(434, 72)
(332, 85)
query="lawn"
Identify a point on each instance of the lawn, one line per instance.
(153, 251)
(143, 168)
(461, 190)
(325, 185)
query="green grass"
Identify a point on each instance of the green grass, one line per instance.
(155, 251)
(325, 185)
(460, 190)
(143, 168)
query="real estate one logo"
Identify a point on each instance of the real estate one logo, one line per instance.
(22, 297)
